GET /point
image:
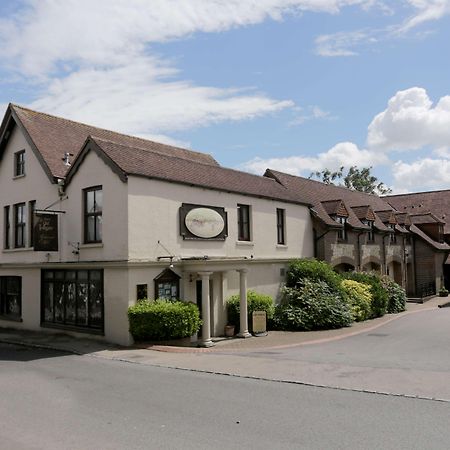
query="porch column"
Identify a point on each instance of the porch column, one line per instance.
(243, 315)
(206, 313)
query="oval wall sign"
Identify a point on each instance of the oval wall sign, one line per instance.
(204, 222)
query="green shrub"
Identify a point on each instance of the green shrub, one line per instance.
(312, 305)
(379, 294)
(162, 319)
(396, 295)
(359, 298)
(312, 270)
(255, 302)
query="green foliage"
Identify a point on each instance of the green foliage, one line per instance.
(162, 320)
(312, 270)
(379, 294)
(255, 302)
(356, 179)
(396, 295)
(312, 305)
(359, 298)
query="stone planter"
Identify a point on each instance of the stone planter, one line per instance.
(229, 330)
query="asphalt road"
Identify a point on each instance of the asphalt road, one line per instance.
(51, 401)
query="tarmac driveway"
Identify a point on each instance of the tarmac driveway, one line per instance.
(407, 356)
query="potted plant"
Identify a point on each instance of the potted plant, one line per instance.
(443, 292)
(229, 330)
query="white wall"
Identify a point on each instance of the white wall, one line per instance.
(153, 216)
(35, 185)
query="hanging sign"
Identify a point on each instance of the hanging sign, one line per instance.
(45, 232)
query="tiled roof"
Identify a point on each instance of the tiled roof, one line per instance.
(316, 192)
(437, 202)
(130, 160)
(387, 216)
(312, 191)
(426, 238)
(54, 136)
(423, 218)
(335, 207)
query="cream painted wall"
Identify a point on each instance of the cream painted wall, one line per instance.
(94, 172)
(153, 216)
(35, 185)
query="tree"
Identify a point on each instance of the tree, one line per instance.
(356, 179)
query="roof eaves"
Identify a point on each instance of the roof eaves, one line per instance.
(91, 144)
(31, 143)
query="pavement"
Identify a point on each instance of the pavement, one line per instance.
(278, 356)
(274, 339)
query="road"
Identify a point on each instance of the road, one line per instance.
(51, 400)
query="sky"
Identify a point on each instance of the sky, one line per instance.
(293, 85)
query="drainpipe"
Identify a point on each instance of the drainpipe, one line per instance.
(359, 251)
(384, 253)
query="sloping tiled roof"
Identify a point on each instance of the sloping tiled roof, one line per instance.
(312, 191)
(436, 202)
(387, 216)
(53, 136)
(423, 218)
(316, 192)
(336, 207)
(130, 160)
(430, 241)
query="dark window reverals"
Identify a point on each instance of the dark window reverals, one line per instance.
(281, 232)
(72, 298)
(243, 222)
(19, 225)
(19, 163)
(93, 209)
(7, 227)
(11, 297)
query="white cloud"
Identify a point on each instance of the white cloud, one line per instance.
(346, 43)
(424, 174)
(411, 122)
(427, 10)
(342, 154)
(140, 99)
(340, 44)
(312, 113)
(111, 32)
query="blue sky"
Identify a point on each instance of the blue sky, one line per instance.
(295, 85)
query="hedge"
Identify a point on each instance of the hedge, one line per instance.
(255, 302)
(396, 295)
(312, 305)
(312, 270)
(379, 294)
(163, 320)
(359, 298)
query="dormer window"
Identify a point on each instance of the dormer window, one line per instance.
(393, 237)
(370, 234)
(342, 232)
(19, 164)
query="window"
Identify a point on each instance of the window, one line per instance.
(93, 201)
(167, 285)
(393, 236)
(342, 232)
(243, 212)
(72, 298)
(31, 209)
(371, 234)
(281, 232)
(11, 297)
(19, 225)
(141, 292)
(7, 227)
(19, 163)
